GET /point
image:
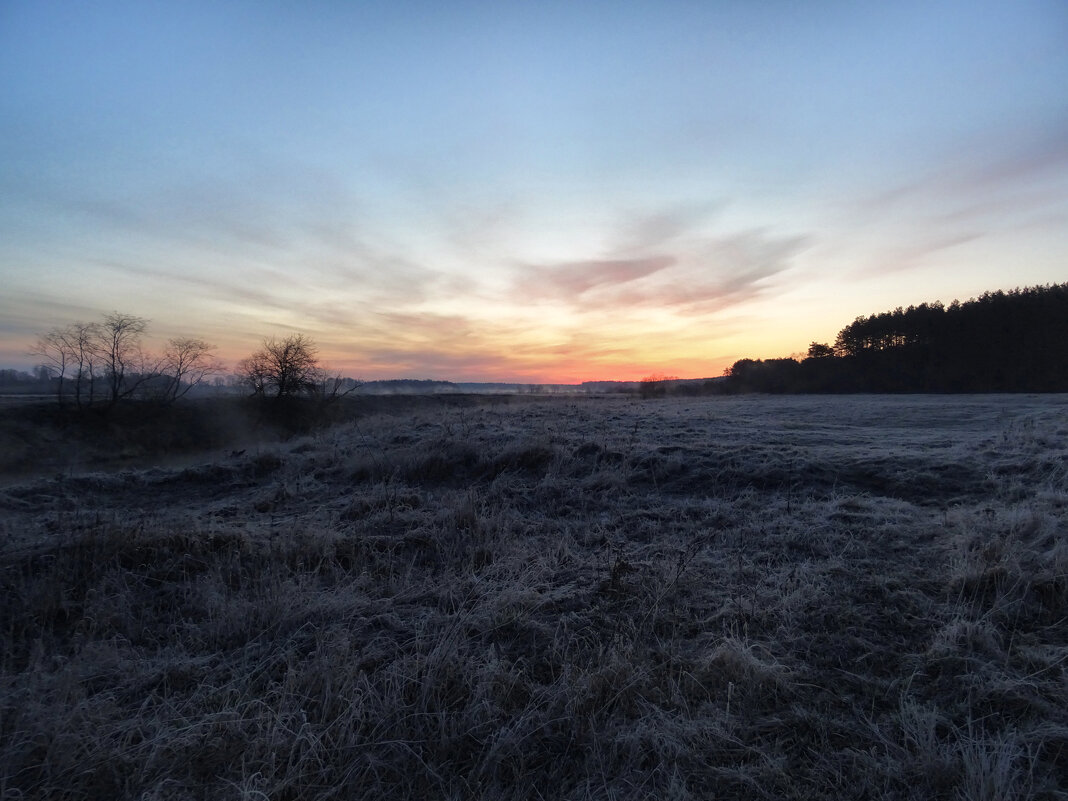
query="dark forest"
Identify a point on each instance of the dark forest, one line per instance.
(1014, 341)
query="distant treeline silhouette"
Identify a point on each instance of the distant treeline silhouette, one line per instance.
(1014, 341)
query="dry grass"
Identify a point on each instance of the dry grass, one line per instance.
(731, 598)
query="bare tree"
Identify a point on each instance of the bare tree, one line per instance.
(282, 367)
(329, 385)
(74, 351)
(85, 347)
(54, 349)
(255, 372)
(186, 362)
(125, 364)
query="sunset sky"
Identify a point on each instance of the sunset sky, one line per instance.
(551, 191)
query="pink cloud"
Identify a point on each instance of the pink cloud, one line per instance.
(572, 279)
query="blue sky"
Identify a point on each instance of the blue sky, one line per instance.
(505, 191)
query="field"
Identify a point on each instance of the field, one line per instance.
(754, 597)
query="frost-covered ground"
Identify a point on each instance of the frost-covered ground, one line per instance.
(814, 597)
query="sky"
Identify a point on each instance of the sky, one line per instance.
(543, 192)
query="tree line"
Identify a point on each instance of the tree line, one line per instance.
(100, 364)
(1015, 341)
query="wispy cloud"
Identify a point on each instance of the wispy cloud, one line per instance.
(266, 292)
(980, 185)
(696, 275)
(1036, 158)
(653, 230)
(1009, 187)
(24, 317)
(278, 216)
(570, 280)
(913, 253)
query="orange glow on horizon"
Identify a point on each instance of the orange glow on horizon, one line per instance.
(522, 363)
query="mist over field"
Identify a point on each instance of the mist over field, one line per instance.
(752, 597)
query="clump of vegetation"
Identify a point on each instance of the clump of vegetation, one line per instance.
(679, 598)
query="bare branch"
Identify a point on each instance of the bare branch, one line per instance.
(186, 362)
